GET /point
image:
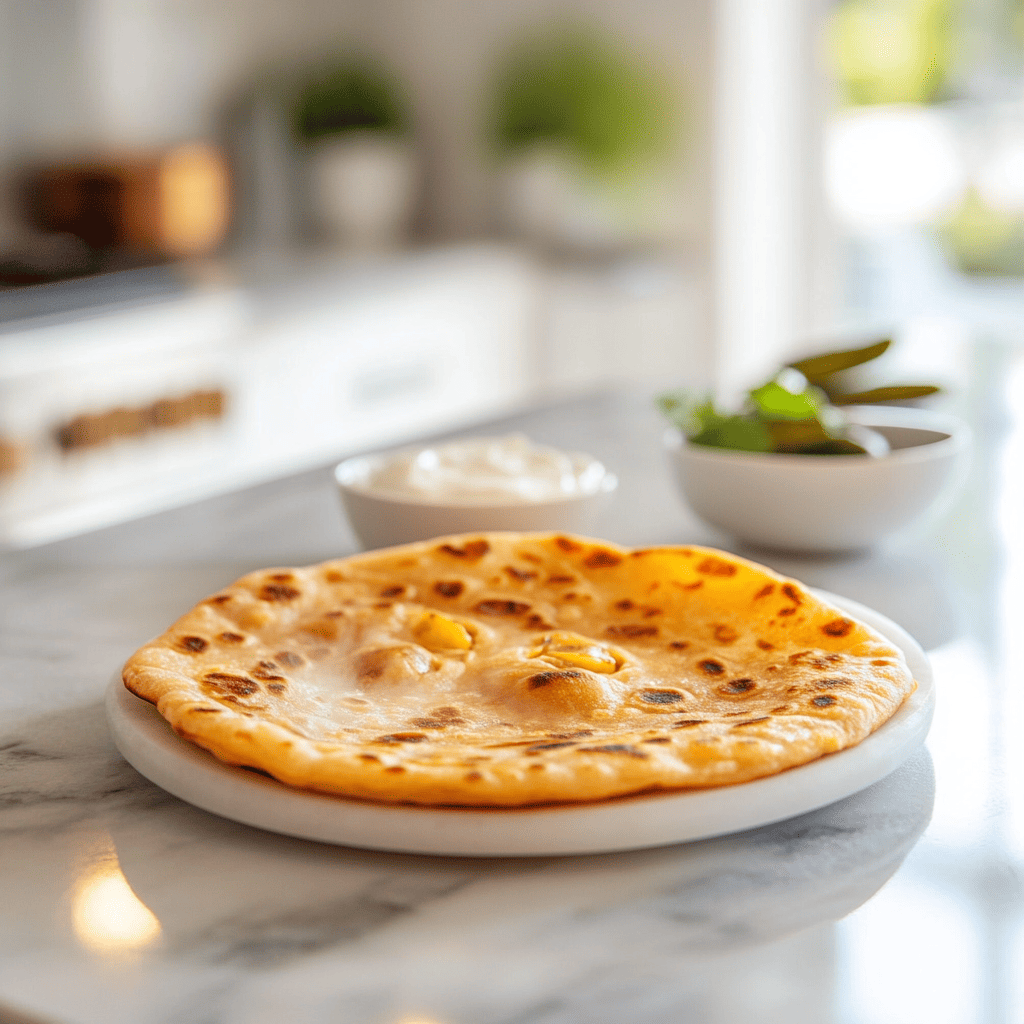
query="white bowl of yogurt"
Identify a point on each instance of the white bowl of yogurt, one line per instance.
(462, 486)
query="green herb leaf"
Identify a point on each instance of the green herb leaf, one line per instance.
(774, 402)
(817, 368)
(742, 433)
(892, 393)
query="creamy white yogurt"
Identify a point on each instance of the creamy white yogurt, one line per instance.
(487, 471)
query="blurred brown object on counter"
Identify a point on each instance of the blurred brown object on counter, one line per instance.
(88, 430)
(12, 456)
(165, 205)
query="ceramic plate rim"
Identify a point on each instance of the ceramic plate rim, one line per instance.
(192, 774)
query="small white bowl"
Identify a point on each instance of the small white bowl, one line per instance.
(826, 502)
(380, 519)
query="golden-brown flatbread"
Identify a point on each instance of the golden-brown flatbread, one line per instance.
(519, 669)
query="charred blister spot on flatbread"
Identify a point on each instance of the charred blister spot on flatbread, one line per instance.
(632, 631)
(657, 739)
(649, 610)
(323, 629)
(665, 698)
(679, 645)
(193, 644)
(537, 621)
(823, 701)
(625, 605)
(615, 748)
(218, 599)
(831, 683)
(267, 670)
(838, 627)
(792, 593)
(520, 575)
(602, 558)
(568, 545)
(567, 694)
(711, 667)
(395, 769)
(277, 687)
(229, 637)
(540, 679)
(737, 686)
(562, 580)
(448, 713)
(282, 577)
(577, 734)
(472, 550)
(333, 576)
(514, 743)
(554, 745)
(401, 737)
(782, 708)
(750, 721)
(473, 776)
(765, 591)
(712, 566)
(449, 588)
(826, 660)
(724, 634)
(278, 593)
(369, 758)
(530, 556)
(290, 659)
(440, 717)
(397, 590)
(766, 645)
(499, 607)
(228, 682)
(689, 723)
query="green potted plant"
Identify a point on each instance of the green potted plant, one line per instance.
(351, 117)
(583, 130)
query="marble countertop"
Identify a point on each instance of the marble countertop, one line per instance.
(901, 904)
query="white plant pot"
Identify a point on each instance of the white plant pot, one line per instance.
(549, 201)
(363, 189)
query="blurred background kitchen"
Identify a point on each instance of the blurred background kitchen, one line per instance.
(240, 238)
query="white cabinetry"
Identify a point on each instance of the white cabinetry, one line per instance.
(312, 360)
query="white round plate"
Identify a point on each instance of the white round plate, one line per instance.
(196, 776)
